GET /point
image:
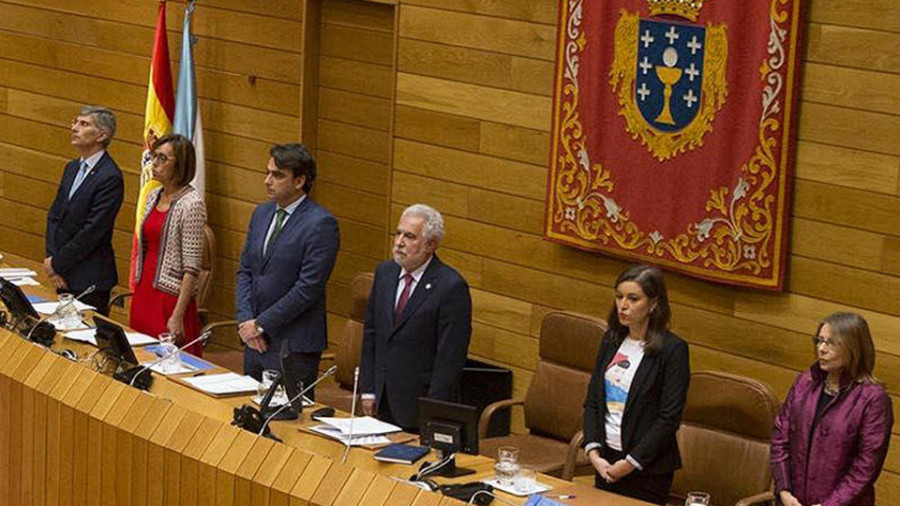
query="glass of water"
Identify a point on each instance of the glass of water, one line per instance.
(268, 379)
(68, 315)
(507, 466)
(167, 346)
(697, 499)
(526, 479)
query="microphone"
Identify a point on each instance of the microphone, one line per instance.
(352, 415)
(45, 337)
(167, 356)
(331, 370)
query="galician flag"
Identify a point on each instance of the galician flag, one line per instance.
(157, 119)
(187, 110)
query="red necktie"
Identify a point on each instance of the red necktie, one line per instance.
(404, 295)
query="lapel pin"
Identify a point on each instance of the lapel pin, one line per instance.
(428, 286)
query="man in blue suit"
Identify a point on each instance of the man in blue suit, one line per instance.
(78, 242)
(288, 256)
(418, 325)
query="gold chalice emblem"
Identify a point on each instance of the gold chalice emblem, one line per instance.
(669, 75)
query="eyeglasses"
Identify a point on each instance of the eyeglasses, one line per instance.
(829, 343)
(159, 158)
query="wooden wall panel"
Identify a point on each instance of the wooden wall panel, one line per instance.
(57, 55)
(448, 102)
(355, 118)
(471, 136)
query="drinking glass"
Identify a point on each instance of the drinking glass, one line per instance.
(167, 346)
(507, 465)
(508, 453)
(68, 316)
(268, 378)
(526, 479)
(697, 499)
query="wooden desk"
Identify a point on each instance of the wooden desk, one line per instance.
(71, 436)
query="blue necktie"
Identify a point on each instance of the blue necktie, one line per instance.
(79, 178)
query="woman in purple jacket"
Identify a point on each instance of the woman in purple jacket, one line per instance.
(832, 433)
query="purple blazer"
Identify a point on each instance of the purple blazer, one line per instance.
(838, 466)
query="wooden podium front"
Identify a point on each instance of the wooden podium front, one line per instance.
(70, 436)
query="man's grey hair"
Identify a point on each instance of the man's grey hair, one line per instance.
(103, 118)
(433, 228)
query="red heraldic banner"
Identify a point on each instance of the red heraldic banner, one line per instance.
(673, 131)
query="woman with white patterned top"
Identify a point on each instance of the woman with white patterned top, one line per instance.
(637, 392)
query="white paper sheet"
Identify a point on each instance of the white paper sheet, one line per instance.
(169, 369)
(65, 327)
(138, 339)
(223, 384)
(361, 425)
(25, 282)
(358, 440)
(17, 272)
(84, 336)
(50, 307)
(89, 336)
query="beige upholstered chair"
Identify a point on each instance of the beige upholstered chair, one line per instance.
(339, 393)
(724, 440)
(553, 405)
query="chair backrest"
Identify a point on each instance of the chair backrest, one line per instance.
(350, 348)
(207, 267)
(568, 348)
(724, 437)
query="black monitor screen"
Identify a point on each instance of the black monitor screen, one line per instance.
(448, 426)
(112, 338)
(15, 300)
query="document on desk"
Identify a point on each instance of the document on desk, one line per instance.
(89, 336)
(25, 282)
(357, 440)
(223, 384)
(362, 425)
(50, 307)
(11, 273)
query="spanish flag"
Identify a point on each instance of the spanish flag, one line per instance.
(157, 119)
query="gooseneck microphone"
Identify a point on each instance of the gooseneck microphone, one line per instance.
(167, 356)
(43, 339)
(352, 415)
(331, 370)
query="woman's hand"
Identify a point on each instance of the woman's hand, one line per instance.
(600, 464)
(619, 470)
(788, 499)
(176, 326)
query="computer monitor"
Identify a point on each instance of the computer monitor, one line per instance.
(111, 337)
(450, 428)
(15, 300)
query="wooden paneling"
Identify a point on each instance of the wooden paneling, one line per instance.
(356, 116)
(448, 102)
(471, 137)
(60, 54)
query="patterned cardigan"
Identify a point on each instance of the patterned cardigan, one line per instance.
(181, 248)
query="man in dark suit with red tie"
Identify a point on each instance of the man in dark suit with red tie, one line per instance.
(78, 242)
(418, 325)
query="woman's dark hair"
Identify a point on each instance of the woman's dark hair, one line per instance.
(650, 279)
(297, 159)
(185, 166)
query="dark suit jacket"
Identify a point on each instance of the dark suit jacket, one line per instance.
(79, 231)
(285, 289)
(423, 353)
(653, 409)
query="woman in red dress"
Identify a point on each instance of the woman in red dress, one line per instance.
(170, 248)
